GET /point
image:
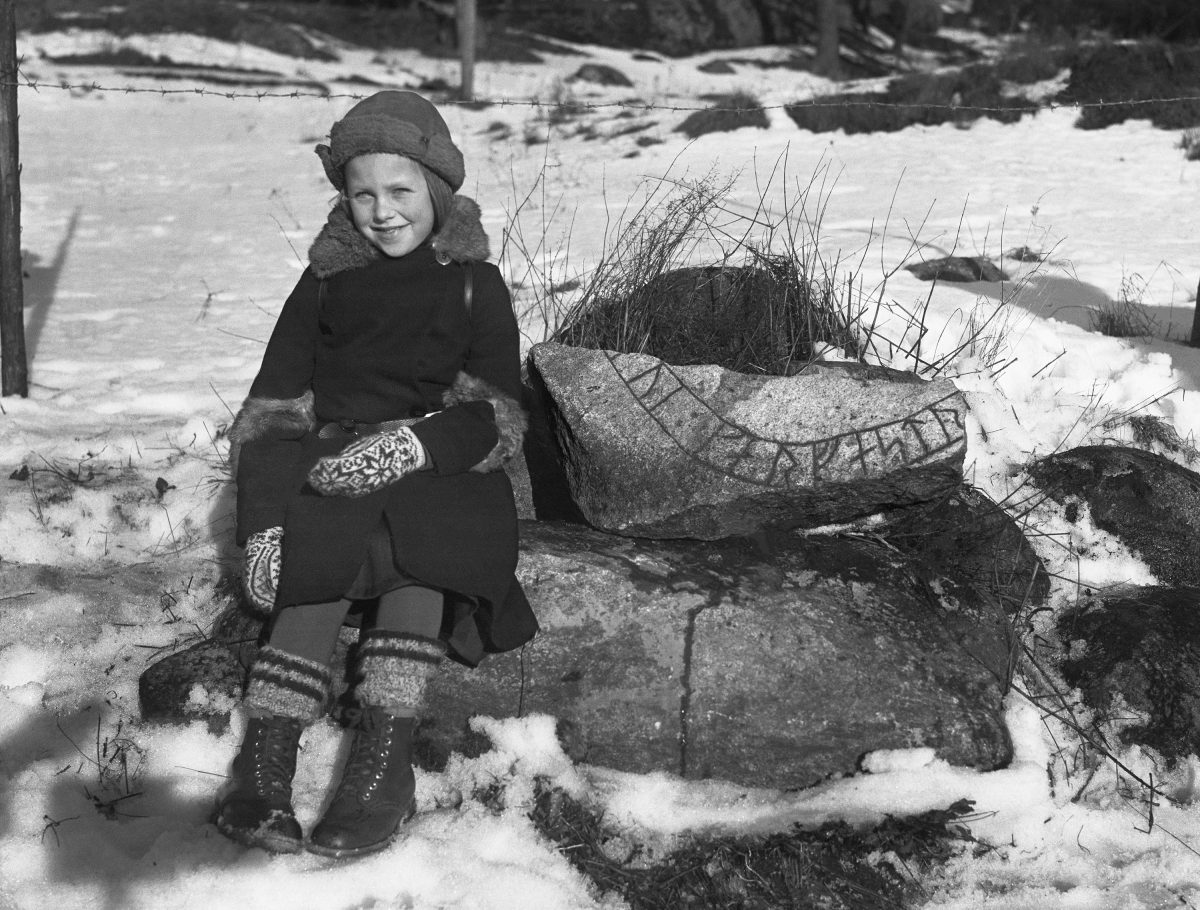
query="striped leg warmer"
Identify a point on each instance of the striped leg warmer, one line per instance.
(394, 669)
(286, 685)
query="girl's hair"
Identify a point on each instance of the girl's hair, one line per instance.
(440, 194)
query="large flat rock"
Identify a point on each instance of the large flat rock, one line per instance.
(655, 450)
(717, 659)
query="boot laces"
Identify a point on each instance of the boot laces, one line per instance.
(271, 751)
(370, 753)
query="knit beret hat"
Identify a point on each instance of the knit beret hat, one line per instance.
(400, 123)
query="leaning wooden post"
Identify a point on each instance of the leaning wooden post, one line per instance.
(828, 62)
(1195, 339)
(14, 373)
(465, 19)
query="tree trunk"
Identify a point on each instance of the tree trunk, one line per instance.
(903, 16)
(828, 63)
(14, 372)
(1194, 341)
(467, 28)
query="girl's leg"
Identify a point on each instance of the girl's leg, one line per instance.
(396, 660)
(288, 688)
(309, 630)
(401, 652)
(413, 609)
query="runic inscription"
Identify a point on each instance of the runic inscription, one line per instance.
(716, 442)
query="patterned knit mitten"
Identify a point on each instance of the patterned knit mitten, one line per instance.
(369, 464)
(261, 578)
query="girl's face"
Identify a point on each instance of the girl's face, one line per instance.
(389, 201)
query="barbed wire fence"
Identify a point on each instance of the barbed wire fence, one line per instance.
(841, 101)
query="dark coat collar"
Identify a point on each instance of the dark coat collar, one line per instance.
(340, 246)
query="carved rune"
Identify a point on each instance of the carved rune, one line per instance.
(740, 453)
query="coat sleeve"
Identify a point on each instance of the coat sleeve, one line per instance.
(482, 423)
(287, 366)
(265, 436)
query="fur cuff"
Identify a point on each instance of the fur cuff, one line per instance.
(260, 418)
(511, 420)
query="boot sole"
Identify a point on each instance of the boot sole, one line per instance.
(349, 852)
(272, 843)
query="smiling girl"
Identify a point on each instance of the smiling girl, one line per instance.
(368, 458)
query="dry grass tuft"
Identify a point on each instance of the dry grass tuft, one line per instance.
(835, 866)
(1127, 316)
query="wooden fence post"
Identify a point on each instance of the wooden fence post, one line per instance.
(14, 372)
(466, 21)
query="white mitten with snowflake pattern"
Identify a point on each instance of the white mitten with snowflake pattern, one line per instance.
(261, 578)
(369, 464)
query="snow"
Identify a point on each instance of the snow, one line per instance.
(162, 233)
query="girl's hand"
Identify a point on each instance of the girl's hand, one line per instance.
(261, 578)
(369, 464)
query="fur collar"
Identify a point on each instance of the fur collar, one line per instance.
(340, 246)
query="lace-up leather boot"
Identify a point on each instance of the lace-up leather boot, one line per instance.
(375, 796)
(258, 811)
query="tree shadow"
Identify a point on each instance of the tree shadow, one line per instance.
(1058, 297)
(40, 285)
(1078, 303)
(127, 864)
(102, 830)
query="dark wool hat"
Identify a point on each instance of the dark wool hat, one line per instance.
(400, 123)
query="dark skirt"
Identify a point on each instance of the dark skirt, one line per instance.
(379, 572)
(456, 533)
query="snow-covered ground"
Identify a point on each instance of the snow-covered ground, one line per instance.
(163, 232)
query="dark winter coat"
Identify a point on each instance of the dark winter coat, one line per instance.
(367, 338)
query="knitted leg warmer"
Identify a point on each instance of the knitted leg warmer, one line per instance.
(394, 669)
(287, 685)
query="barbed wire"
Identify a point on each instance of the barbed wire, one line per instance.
(634, 105)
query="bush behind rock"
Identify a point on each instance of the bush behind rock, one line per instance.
(768, 305)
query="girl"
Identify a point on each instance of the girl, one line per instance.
(368, 460)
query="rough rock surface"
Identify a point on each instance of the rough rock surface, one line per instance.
(1139, 648)
(1151, 503)
(966, 538)
(202, 681)
(654, 450)
(771, 663)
